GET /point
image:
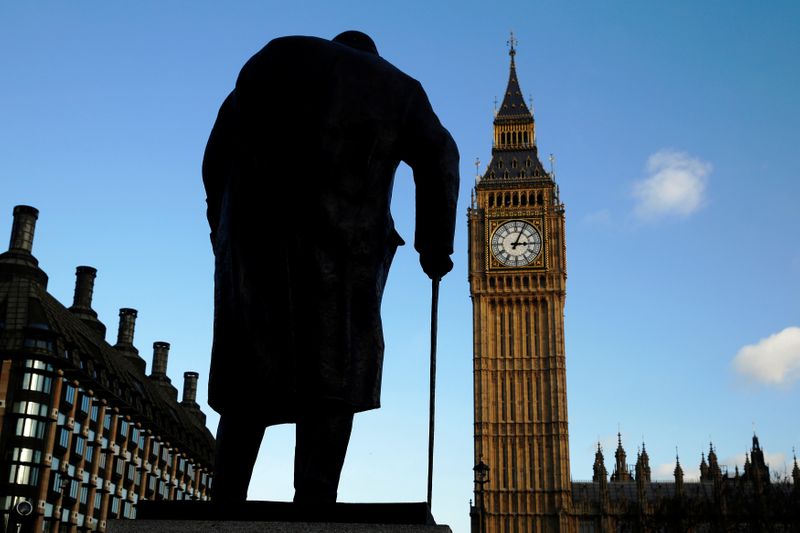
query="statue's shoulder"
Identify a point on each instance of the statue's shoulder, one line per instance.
(297, 41)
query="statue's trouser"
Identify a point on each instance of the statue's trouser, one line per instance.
(321, 444)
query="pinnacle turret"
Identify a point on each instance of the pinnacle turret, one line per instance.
(620, 468)
(599, 468)
(678, 476)
(703, 467)
(643, 465)
(714, 471)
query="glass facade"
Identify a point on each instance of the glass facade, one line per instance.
(60, 454)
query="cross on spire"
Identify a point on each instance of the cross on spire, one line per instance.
(512, 43)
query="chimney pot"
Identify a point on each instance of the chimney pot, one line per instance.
(82, 301)
(160, 356)
(190, 388)
(23, 228)
(127, 323)
(84, 288)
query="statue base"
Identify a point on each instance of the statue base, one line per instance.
(278, 517)
(193, 526)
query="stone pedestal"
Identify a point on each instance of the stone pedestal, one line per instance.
(193, 526)
(279, 517)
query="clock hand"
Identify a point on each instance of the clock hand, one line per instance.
(517, 243)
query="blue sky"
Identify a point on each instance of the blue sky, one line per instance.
(674, 127)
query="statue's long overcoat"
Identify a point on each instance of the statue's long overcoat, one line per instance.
(298, 172)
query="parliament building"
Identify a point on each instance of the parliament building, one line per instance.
(85, 433)
(517, 278)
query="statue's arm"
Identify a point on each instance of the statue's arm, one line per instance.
(218, 161)
(431, 152)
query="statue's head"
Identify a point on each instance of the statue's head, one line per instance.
(358, 40)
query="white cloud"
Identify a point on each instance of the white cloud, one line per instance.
(675, 186)
(771, 361)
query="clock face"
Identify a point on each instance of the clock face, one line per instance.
(516, 243)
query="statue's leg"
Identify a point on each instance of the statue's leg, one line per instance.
(238, 441)
(321, 444)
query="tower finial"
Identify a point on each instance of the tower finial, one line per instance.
(512, 49)
(512, 43)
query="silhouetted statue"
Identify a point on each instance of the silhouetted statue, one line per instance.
(299, 171)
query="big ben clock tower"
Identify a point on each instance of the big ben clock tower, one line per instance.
(517, 276)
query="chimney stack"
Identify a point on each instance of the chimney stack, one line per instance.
(127, 323)
(18, 261)
(159, 370)
(190, 388)
(82, 301)
(84, 289)
(190, 397)
(23, 228)
(160, 356)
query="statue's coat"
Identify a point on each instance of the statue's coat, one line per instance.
(298, 171)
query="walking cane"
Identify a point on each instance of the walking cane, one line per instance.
(432, 400)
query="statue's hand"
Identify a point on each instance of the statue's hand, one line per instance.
(435, 265)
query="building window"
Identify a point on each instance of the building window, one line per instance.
(23, 474)
(36, 382)
(63, 439)
(80, 444)
(69, 393)
(28, 427)
(38, 365)
(38, 344)
(30, 408)
(85, 404)
(26, 455)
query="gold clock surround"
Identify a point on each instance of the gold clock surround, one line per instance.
(539, 263)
